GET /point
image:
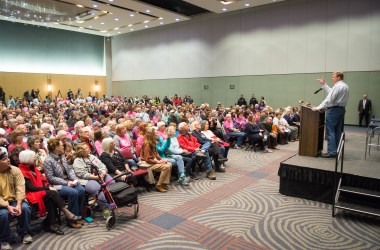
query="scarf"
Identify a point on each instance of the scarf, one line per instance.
(37, 180)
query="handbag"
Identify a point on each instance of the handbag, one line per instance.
(122, 193)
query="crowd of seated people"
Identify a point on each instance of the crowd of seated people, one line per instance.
(49, 148)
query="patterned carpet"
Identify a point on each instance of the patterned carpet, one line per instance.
(242, 209)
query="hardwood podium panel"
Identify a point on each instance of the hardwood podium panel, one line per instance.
(312, 132)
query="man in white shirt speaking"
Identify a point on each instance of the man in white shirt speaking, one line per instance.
(335, 102)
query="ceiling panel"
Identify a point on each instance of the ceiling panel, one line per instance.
(114, 17)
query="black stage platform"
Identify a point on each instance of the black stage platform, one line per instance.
(313, 177)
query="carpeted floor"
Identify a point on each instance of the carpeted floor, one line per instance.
(242, 209)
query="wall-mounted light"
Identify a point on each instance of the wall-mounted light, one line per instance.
(49, 86)
(96, 88)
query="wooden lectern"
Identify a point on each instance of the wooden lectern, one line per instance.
(312, 132)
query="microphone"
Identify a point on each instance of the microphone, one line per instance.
(317, 91)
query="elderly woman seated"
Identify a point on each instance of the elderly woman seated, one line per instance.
(113, 160)
(90, 171)
(39, 193)
(176, 160)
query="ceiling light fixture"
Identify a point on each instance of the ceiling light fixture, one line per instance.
(146, 26)
(147, 11)
(94, 5)
(247, 5)
(132, 15)
(177, 19)
(101, 23)
(116, 19)
(131, 29)
(224, 9)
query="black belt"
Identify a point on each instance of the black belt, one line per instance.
(336, 107)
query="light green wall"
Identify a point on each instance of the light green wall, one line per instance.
(33, 49)
(278, 90)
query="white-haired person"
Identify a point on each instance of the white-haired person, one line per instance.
(78, 125)
(39, 193)
(111, 128)
(211, 146)
(161, 130)
(90, 171)
(45, 127)
(12, 203)
(112, 159)
(175, 149)
(194, 149)
(63, 126)
(162, 146)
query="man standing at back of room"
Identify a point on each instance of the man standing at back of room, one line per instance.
(335, 102)
(364, 108)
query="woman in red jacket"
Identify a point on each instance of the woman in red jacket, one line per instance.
(38, 193)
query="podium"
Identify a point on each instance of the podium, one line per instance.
(312, 132)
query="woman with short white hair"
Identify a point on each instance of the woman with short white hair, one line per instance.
(112, 159)
(162, 130)
(40, 194)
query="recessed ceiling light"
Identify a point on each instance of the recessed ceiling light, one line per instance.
(96, 17)
(108, 34)
(146, 26)
(104, 11)
(110, 0)
(129, 25)
(80, 6)
(147, 11)
(116, 28)
(161, 18)
(101, 23)
(90, 26)
(118, 32)
(94, 5)
(177, 19)
(247, 5)
(146, 21)
(224, 9)
(161, 23)
(116, 19)
(132, 29)
(131, 14)
(103, 31)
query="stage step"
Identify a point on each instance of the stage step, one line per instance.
(360, 191)
(357, 208)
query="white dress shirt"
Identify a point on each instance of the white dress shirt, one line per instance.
(336, 96)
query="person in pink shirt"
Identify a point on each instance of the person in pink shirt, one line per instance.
(143, 128)
(232, 131)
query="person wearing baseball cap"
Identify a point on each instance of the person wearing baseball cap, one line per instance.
(12, 204)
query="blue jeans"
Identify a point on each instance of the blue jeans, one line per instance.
(179, 161)
(75, 196)
(224, 151)
(23, 221)
(240, 136)
(334, 125)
